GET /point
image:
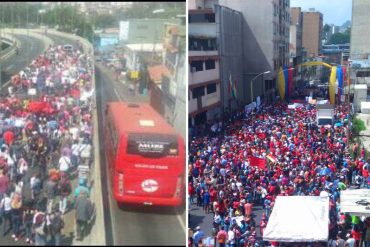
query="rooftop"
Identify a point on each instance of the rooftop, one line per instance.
(156, 72)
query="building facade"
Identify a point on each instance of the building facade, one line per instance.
(295, 38)
(168, 83)
(312, 32)
(204, 67)
(359, 47)
(360, 31)
(228, 32)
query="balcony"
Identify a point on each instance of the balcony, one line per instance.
(203, 76)
(204, 101)
(203, 29)
(203, 53)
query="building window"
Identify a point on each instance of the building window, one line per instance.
(211, 88)
(210, 64)
(197, 44)
(196, 66)
(199, 18)
(198, 92)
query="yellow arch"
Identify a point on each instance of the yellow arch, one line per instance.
(316, 63)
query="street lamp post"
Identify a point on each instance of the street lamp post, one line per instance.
(263, 73)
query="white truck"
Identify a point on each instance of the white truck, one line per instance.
(325, 114)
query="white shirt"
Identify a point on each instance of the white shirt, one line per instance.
(85, 150)
(351, 242)
(74, 132)
(6, 203)
(64, 163)
(231, 236)
(75, 149)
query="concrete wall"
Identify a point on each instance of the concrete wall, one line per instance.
(230, 40)
(360, 31)
(179, 117)
(360, 95)
(257, 32)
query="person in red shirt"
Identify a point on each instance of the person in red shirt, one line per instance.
(213, 198)
(221, 237)
(356, 233)
(8, 137)
(248, 208)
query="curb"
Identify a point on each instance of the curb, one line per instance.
(97, 233)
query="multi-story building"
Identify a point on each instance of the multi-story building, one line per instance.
(265, 42)
(295, 48)
(312, 32)
(360, 31)
(360, 40)
(244, 38)
(204, 67)
(168, 84)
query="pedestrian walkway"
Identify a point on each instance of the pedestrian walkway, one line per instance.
(46, 146)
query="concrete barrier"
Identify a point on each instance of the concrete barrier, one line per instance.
(97, 234)
(33, 33)
(46, 41)
(4, 54)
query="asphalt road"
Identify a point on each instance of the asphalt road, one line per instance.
(30, 48)
(58, 40)
(133, 225)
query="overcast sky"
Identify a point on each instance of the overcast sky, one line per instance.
(335, 12)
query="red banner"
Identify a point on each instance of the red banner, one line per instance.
(261, 135)
(260, 163)
(40, 106)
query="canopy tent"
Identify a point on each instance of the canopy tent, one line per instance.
(355, 202)
(298, 219)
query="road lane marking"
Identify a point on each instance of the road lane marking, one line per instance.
(181, 221)
(117, 94)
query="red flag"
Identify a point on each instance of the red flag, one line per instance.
(261, 135)
(260, 163)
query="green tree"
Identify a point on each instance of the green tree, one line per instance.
(340, 38)
(104, 21)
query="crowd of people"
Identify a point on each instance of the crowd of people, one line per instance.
(45, 141)
(302, 158)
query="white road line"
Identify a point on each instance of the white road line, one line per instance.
(117, 94)
(181, 221)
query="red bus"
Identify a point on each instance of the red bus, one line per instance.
(145, 155)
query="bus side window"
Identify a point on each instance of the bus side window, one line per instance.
(106, 110)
